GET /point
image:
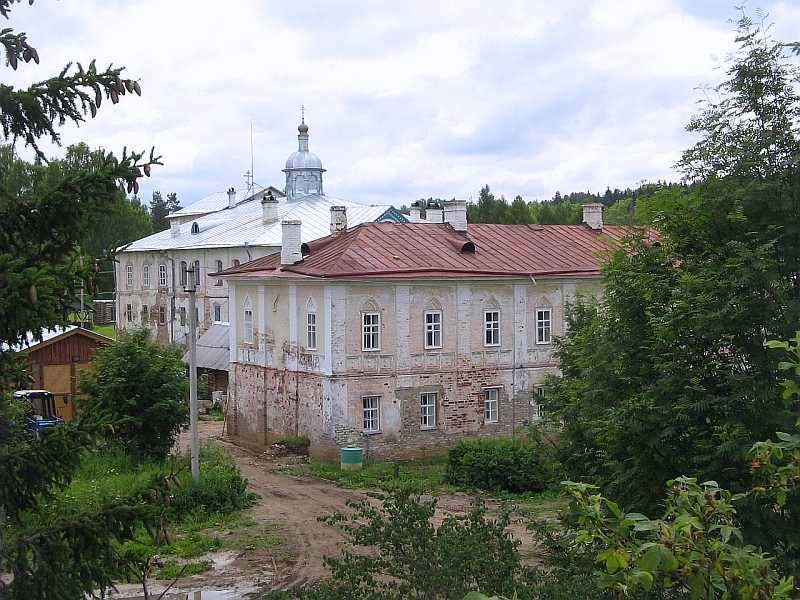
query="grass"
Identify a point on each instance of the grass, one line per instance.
(106, 330)
(173, 569)
(418, 476)
(215, 414)
(192, 545)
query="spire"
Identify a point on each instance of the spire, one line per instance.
(302, 138)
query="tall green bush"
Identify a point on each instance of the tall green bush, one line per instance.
(140, 388)
(499, 464)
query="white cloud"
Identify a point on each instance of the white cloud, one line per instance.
(404, 99)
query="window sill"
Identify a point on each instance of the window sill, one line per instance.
(491, 422)
(492, 345)
(370, 349)
(428, 428)
(366, 433)
(433, 348)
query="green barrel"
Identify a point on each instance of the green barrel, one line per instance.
(352, 458)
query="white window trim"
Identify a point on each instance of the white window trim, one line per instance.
(486, 328)
(310, 331)
(377, 411)
(247, 326)
(129, 276)
(435, 402)
(549, 322)
(219, 267)
(377, 347)
(426, 331)
(162, 270)
(214, 307)
(496, 404)
(145, 276)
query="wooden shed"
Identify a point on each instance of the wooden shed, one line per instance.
(55, 361)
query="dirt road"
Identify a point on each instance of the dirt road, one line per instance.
(293, 505)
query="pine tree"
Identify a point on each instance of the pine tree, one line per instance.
(40, 275)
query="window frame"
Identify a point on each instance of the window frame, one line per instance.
(129, 312)
(487, 401)
(247, 325)
(492, 327)
(184, 320)
(430, 330)
(197, 278)
(217, 308)
(219, 282)
(145, 314)
(129, 276)
(540, 394)
(145, 276)
(376, 333)
(311, 331)
(430, 413)
(546, 325)
(372, 409)
(184, 273)
(162, 275)
(162, 315)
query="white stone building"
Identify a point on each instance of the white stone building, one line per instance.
(405, 337)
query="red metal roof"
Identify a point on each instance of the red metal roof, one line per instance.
(435, 250)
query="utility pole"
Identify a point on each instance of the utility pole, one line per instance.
(191, 288)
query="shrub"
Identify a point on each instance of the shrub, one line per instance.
(298, 444)
(220, 489)
(138, 387)
(499, 464)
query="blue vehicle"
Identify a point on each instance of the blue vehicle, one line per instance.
(41, 410)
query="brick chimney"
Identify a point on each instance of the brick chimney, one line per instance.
(290, 242)
(434, 213)
(593, 215)
(338, 219)
(269, 208)
(455, 213)
(231, 197)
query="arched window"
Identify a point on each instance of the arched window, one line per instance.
(311, 325)
(197, 273)
(433, 324)
(219, 268)
(247, 322)
(235, 262)
(183, 273)
(370, 326)
(195, 228)
(129, 276)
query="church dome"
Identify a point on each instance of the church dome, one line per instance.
(303, 160)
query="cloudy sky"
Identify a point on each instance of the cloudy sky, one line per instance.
(403, 99)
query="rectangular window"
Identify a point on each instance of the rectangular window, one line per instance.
(217, 313)
(538, 403)
(183, 316)
(433, 329)
(146, 276)
(162, 315)
(491, 322)
(162, 275)
(184, 276)
(129, 312)
(197, 273)
(427, 410)
(144, 314)
(247, 326)
(311, 331)
(129, 276)
(543, 325)
(490, 403)
(371, 331)
(219, 268)
(372, 414)
(235, 262)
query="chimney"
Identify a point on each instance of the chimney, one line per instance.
(415, 212)
(593, 215)
(231, 197)
(269, 208)
(434, 213)
(455, 213)
(290, 242)
(338, 219)
(174, 227)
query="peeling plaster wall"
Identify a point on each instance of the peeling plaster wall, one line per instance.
(278, 391)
